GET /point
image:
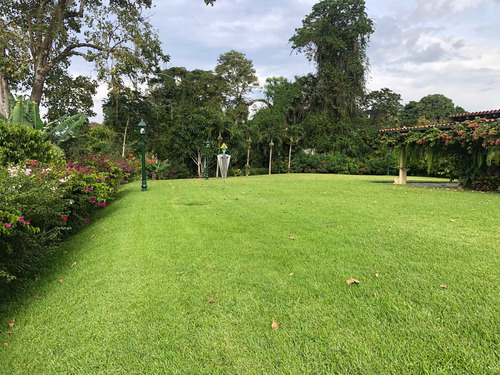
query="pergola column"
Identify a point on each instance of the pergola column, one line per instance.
(402, 167)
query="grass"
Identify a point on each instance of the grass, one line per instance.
(264, 248)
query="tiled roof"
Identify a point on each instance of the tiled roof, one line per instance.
(487, 116)
(422, 127)
(479, 114)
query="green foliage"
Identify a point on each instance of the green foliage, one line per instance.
(470, 147)
(41, 202)
(335, 36)
(64, 128)
(32, 195)
(339, 163)
(26, 112)
(384, 108)
(239, 77)
(19, 143)
(432, 109)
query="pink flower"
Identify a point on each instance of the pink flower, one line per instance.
(27, 223)
(21, 219)
(8, 225)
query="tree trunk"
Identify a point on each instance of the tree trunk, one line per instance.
(4, 96)
(290, 155)
(37, 91)
(125, 138)
(199, 164)
(271, 144)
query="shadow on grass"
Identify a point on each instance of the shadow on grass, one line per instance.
(19, 293)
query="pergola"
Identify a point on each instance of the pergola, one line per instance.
(493, 115)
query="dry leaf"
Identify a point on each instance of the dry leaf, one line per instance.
(292, 274)
(5, 344)
(489, 283)
(376, 275)
(444, 286)
(274, 325)
(210, 301)
(9, 333)
(292, 238)
(216, 214)
(374, 294)
(176, 199)
(92, 236)
(11, 323)
(74, 264)
(452, 220)
(62, 281)
(352, 281)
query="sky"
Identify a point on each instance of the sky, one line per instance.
(419, 47)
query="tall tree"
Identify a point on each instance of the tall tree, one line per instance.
(384, 108)
(240, 79)
(434, 109)
(335, 36)
(54, 31)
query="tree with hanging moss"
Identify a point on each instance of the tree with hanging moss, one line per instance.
(335, 36)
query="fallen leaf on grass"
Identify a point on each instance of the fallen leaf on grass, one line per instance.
(11, 323)
(352, 281)
(176, 199)
(452, 220)
(216, 214)
(9, 333)
(62, 281)
(489, 283)
(92, 236)
(210, 301)
(274, 325)
(5, 344)
(376, 275)
(74, 264)
(292, 274)
(444, 286)
(292, 238)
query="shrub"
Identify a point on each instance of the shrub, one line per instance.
(33, 199)
(41, 202)
(19, 143)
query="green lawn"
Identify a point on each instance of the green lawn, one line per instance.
(187, 278)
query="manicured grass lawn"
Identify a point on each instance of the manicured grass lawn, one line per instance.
(187, 278)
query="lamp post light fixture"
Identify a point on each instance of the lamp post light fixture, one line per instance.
(142, 128)
(207, 144)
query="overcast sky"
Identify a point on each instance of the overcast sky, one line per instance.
(420, 47)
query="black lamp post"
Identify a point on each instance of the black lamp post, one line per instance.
(207, 144)
(142, 127)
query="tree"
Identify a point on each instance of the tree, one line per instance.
(433, 109)
(238, 74)
(335, 36)
(68, 95)
(53, 32)
(384, 108)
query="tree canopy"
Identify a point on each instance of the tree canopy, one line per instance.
(335, 36)
(39, 36)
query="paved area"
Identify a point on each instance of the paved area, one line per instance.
(436, 185)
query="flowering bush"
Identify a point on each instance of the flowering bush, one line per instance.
(472, 148)
(31, 206)
(40, 202)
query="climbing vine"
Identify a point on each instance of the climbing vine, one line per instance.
(472, 148)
